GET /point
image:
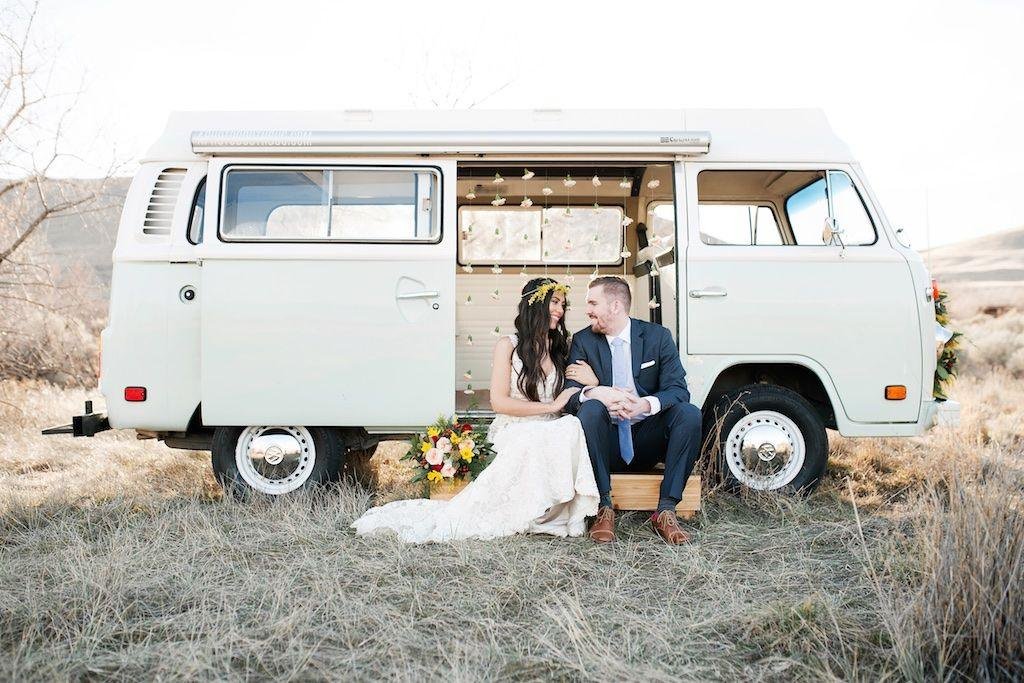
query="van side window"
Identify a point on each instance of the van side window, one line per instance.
(563, 235)
(744, 224)
(195, 220)
(808, 209)
(780, 207)
(345, 205)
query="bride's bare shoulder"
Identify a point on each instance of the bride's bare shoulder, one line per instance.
(504, 347)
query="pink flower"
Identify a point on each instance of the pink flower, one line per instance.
(467, 443)
(444, 445)
(448, 470)
(434, 456)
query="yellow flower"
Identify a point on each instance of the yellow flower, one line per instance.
(434, 475)
(467, 454)
(455, 438)
(426, 446)
(433, 431)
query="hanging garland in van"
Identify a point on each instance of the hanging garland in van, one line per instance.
(948, 362)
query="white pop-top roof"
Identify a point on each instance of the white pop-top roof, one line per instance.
(774, 135)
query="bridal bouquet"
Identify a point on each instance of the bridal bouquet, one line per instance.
(449, 451)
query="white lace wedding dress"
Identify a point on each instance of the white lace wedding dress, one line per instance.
(540, 481)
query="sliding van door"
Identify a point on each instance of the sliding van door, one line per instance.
(328, 293)
(762, 283)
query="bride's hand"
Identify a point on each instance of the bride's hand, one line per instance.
(563, 398)
(581, 372)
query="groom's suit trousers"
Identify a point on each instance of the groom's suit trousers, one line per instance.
(671, 435)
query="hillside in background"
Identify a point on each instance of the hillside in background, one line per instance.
(993, 259)
(88, 239)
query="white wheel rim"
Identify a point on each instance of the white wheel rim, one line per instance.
(765, 450)
(275, 459)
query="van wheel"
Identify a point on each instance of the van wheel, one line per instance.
(771, 439)
(275, 460)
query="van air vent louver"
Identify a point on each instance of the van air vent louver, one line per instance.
(160, 210)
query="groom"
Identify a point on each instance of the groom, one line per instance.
(640, 414)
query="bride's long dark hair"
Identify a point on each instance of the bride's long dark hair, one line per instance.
(533, 325)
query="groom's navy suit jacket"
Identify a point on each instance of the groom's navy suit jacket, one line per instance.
(664, 379)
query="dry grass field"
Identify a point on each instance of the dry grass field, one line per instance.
(120, 559)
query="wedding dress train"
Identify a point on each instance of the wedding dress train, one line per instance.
(540, 481)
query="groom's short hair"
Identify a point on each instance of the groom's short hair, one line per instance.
(614, 288)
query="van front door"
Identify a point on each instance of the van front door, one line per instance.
(763, 284)
(328, 293)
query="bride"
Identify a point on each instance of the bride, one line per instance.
(541, 479)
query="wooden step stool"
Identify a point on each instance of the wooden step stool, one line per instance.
(639, 491)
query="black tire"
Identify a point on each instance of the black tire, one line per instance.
(736, 404)
(327, 452)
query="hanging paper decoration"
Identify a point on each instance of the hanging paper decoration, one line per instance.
(568, 211)
(594, 275)
(625, 183)
(653, 303)
(595, 181)
(547, 191)
(654, 272)
(656, 239)
(467, 268)
(495, 294)
(523, 274)
(471, 195)
(625, 253)
(569, 182)
(527, 174)
(469, 390)
(498, 200)
(469, 340)
(626, 220)
(496, 269)
(526, 202)
(654, 184)
(469, 299)
(568, 245)
(496, 332)
(597, 207)
(468, 374)
(498, 180)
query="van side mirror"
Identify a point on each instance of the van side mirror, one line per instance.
(832, 233)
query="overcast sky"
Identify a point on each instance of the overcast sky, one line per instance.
(929, 95)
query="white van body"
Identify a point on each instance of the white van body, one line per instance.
(369, 336)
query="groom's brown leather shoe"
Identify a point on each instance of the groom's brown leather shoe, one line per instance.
(667, 525)
(602, 530)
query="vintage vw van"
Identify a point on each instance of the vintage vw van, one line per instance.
(289, 288)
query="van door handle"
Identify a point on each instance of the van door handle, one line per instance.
(700, 293)
(418, 295)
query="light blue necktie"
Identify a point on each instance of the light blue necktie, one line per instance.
(620, 378)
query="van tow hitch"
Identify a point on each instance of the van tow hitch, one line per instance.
(89, 424)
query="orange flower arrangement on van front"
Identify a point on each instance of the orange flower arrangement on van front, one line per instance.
(449, 450)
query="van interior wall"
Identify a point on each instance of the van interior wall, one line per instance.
(489, 295)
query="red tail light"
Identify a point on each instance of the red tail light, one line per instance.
(135, 394)
(935, 289)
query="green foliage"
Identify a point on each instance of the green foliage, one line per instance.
(948, 362)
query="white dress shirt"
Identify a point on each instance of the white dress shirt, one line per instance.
(628, 353)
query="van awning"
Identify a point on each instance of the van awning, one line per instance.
(448, 142)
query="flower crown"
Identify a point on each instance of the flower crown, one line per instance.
(542, 291)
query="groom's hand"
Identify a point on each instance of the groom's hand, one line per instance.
(629, 406)
(607, 395)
